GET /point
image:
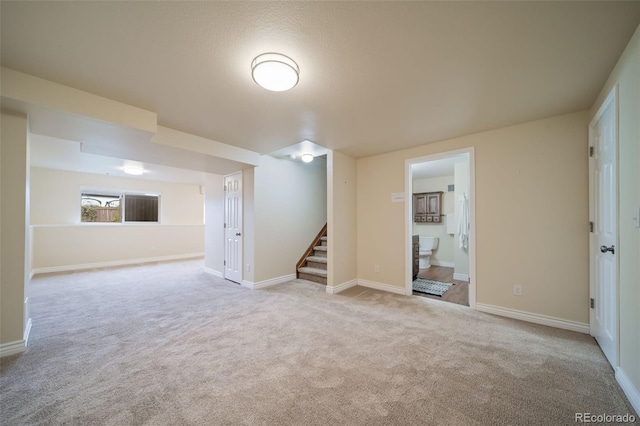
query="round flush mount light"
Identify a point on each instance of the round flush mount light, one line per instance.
(275, 72)
(307, 158)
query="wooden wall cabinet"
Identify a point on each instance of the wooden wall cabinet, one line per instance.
(427, 207)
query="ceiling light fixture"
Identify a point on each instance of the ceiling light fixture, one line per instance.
(275, 72)
(135, 171)
(307, 158)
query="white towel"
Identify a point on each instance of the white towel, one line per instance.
(463, 224)
(450, 223)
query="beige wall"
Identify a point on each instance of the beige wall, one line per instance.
(14, 228)
(341, 211)
(444, 252)
(290, 209)
(55, 196)
(61, 242)
(627, 75)
(69, 247)
(522, 173)
(214, 223)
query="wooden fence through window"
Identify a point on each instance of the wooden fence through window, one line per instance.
(105, 214)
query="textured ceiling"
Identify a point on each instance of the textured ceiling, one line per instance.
(375, 76)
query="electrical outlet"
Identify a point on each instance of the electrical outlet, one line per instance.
(376, 268)
(517, 290)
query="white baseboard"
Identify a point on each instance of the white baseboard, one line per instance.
(381, 286)
(124, 262)
(534, 318)
(12, 348)
(629, 389)
(213, 272)
(461, 277)
(342, 287)
(18, 346)
(442, 263)
(268, 283)
(27, 331)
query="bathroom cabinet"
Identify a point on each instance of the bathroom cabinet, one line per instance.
(427, 207)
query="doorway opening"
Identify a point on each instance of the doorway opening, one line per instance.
(440, 227)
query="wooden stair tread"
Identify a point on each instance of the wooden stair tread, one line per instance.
(313, 271)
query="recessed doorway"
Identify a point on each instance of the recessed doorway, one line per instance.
(440, 227)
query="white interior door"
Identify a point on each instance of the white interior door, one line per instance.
(233, 227)
(603, 206)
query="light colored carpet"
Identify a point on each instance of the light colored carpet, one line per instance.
(167, 344)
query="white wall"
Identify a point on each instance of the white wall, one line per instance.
(14, 233)
(443, 255)
(461, 254)
(248, 224)
(61, 242)
(290, 209)
(627, 76)
(214, 224)
(341, 221)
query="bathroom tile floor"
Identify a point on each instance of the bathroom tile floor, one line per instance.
(458, 293)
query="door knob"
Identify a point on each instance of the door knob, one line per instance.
(238, 234)
(605, 249)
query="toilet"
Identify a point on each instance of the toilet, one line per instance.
(427, 245)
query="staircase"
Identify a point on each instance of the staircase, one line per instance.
(313, 265)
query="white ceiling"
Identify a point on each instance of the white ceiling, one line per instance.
(295, 152)
(375, 76)
(437, 168)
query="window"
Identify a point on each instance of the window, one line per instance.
(140, 208)
(110, 207)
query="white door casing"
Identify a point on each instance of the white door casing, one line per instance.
(603, 210)
(233, 227)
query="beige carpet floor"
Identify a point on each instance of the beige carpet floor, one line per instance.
(167, 344)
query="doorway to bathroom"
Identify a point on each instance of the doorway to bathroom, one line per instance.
(440, 232)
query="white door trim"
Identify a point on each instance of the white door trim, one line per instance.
(611, 100)
(408, 214)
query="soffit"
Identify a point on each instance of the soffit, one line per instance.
(55, 153)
